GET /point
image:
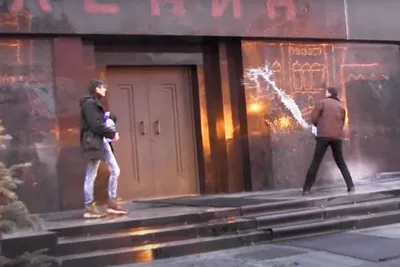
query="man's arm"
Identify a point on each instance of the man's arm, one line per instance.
(95, 120)
(316, 113)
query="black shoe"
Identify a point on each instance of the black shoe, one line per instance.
(351, 189)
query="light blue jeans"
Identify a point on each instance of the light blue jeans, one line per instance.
(91, 173)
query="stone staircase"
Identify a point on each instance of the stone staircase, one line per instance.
(266, 219)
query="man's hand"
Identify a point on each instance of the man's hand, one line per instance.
(314, 130)
(116, 137)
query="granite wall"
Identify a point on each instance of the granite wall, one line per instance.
(368, 78)
(27, 110)
(261, 18)
(39, 93)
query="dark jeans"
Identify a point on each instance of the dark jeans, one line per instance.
(320, 149)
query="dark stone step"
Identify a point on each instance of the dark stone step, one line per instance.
(322, 226)
(15, 244)
(81, 228)
(276, 206)
(309, 202)
(199, 245)
(220, 231)
(139, 237)
(388, 175)
(309, 227)
(211, 201)
(358, 198)
(377, 206)
(164, 250)
(148, 235)
(102, 226)
(329, 212)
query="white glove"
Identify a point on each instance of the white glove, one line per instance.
(314, 130)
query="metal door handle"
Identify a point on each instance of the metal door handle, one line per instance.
(142, 128)
(158, 128)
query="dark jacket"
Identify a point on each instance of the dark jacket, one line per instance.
(329, 116)
(93, 128)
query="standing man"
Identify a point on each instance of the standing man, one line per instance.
(95, 147)
(328, 116)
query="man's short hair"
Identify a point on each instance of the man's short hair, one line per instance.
(93, 84)
(333, 91)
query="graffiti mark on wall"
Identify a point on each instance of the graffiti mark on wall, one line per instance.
(16, 21)
(14, 49)
(26, 87)
(274, 9)
(18, 5)
(19, 70)
(274, 5)
(303, 71)
(42, 102)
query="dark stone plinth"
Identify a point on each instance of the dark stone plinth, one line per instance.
(20, 242)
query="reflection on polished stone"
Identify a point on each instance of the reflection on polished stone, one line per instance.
(368, 78)
(26, 88)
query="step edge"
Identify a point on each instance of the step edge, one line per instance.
(335, 220)
(160, 245)
(73, 240)
(133, 220)
(322, 209)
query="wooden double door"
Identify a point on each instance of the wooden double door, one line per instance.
(156, 151)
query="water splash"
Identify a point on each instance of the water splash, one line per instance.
(253, 74)
(361, 169)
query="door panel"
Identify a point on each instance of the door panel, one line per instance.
(133, 148)
(156, 152)
(141, 138)
(164, 145)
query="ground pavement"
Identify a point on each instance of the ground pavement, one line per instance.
(374, 247)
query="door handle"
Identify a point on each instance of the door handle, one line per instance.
(157, 128)
(142, 128)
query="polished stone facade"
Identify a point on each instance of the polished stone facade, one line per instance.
(28, 112)
(246, 139)
(367, 76)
